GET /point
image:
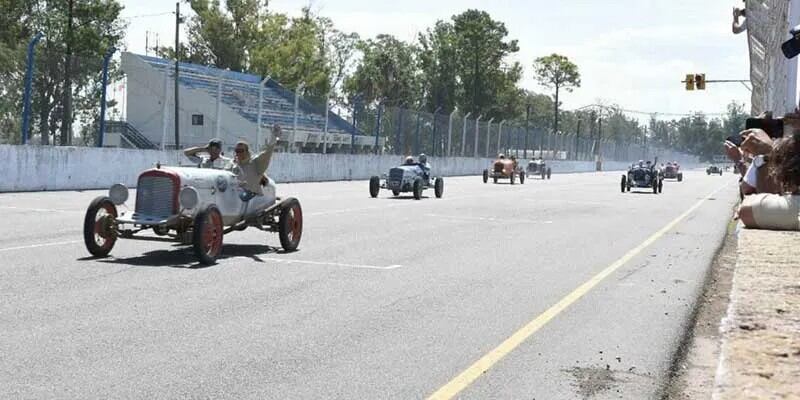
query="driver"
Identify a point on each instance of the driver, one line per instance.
(409, 161)
(641, 163)
(250, 170)
(423, 163)
(649, 164)
(213, 160)
(502, 156)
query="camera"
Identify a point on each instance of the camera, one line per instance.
(791, 47)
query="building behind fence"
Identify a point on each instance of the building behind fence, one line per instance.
(237, 106)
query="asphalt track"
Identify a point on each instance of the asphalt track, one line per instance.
(561, 289)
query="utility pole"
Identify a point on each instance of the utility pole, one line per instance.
(66, 123)
(177, 73)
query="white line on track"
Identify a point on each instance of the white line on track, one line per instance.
(33, 246)
(37, 209)
(488, 219)
(332, 264)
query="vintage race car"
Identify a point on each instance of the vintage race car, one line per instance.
(538, 168)
(406, 178)
(713, 169)
(672, 171)
(504, 169)
(642, 177)
(190, 205)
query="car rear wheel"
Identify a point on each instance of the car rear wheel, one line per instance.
(660, 186)
(99, 232)
(486, 176)
(655, 186)
(290, 224)
(623, 183)
(395, 193)
(513, 178)
(549, 172)
(438, 187)
(374, 186)
(680, 177)
(418, 189)
(522, 178)
(207, 235)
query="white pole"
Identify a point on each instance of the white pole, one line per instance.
(164, 111)
(450, 131)
(464, 135)
(488, 132)
(296, 111)
(477, 131)
(260, 108)
(325, 131)
(219, 104)
(499, 132)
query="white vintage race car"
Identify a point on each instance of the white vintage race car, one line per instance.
(194, 206)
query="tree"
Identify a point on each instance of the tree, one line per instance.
(387, 73)
(557, 72)
(437, 61)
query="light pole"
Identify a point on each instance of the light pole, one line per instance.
(464, 135)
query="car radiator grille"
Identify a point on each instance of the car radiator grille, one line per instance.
(396, 174)
(155, 196)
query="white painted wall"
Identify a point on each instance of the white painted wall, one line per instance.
(35, 168)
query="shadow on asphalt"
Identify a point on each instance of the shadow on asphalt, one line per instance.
(183, 256)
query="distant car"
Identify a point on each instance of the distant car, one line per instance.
(642, 177)
(414, 178)
(713, 169)
(672, 171)
(503, 168)
(194, 206)
(538, 168)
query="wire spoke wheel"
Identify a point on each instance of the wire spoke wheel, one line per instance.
(290, 224)
(99, 227)
(207, 235)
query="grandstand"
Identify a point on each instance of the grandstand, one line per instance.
(224, 104)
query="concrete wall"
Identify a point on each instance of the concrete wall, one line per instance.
(34, 168)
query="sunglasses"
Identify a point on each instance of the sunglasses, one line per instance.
(239, 151)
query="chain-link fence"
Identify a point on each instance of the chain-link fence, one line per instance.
(143, 100)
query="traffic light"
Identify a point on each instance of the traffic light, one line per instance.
(700, 81)
(689, 82)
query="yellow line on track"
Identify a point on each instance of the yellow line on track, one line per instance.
(474, 371)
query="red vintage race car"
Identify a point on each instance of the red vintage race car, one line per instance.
(503, 168)
(672, 170)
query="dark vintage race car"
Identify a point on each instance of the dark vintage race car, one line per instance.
(713, 169)
(672, 171)
(642, 177)
(538, 168)
(414, 178)
(193, 206)
(503, 168)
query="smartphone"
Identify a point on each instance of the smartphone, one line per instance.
(735, 139)
(773, 127)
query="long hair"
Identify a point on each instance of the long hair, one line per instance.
(784, 163)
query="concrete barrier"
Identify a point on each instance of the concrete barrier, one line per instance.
(36, 168)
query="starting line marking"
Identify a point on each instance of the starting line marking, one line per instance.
(33, 246)
(452, 388)
(488, 219)
(331, 264)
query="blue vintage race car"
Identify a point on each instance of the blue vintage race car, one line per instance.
(414, 178)
(642, 177)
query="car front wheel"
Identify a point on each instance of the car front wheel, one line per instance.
(290, 224)
(438, 187)
(207, 235)
(99, 232)
(374, 186)
(418, 189)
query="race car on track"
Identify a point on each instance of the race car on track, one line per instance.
(414, 177)
(538, 167)
(642, 176)
(196, 206)
(503, 168)
(713, 169)
(672, 170)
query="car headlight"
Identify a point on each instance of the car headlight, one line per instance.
(118, 194)
(189, 198)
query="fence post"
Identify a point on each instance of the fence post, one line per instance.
(164, 112)
(477, 132)
(26, 101)
(416, 133)
(378, 128)
(106, 60)
(325, 129)
(499, 134)
(450, 132)
(488, 132)
(260, 108)
(464, 135)
(219, 105)
(433, 140)
(296, 111)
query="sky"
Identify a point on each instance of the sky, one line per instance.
(633, 53)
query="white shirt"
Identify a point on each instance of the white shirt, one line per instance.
(751, 176)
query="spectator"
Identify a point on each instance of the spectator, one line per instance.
(214, 159)
(251, 169)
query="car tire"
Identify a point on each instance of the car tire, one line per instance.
(623, 183)
(660, 186)
(513, 178)
(655, 186)
(96, 235)
(418, 189)
(549, 173)
(290, 224)
(374, 186)
(395, 193)
(522, 178)
(207, 234)
(438, 187)
(680, 177)
(544, 174)
(486, 176)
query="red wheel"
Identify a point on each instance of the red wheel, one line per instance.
(207, 236)
(290, 224)
(99, 230)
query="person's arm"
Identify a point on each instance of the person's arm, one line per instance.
(191, 154)
(263, 159)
